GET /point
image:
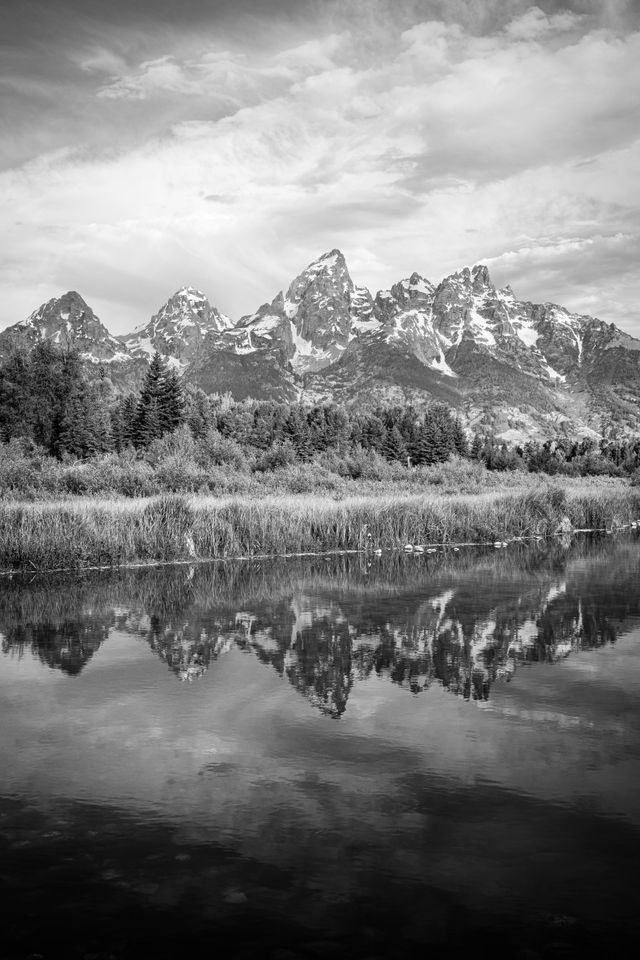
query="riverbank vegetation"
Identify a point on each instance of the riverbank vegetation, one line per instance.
(85, 532)
(63, 434)
(88, 478)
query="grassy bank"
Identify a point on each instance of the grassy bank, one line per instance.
(34, 477)
(87, 532)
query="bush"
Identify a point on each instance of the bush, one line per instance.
(125, 475)
(360, 464)
(275, 458)
(215, 450)
(180, 475)
(180, 444)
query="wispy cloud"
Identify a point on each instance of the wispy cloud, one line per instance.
(410, 137)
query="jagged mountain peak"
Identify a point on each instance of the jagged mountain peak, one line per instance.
(480, 274)
(507, 293)
(514, 366)
(418, 281)
(69, 322)
(187, 293)
(69, 306)
(327, 261)
(179, 328)
(476, 278)
(330, 268)
(413, 288)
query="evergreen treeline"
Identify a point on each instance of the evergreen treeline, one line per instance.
(563, 456)
(46, 398)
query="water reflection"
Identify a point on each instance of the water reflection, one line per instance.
(460, 621)
(140, 816)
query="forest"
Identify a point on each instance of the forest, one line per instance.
(51, 412)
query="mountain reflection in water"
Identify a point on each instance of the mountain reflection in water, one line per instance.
(463, 621)
(232, 817)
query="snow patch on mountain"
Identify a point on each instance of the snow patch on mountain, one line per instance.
(440, 364)
(179, 328)
(551, 373)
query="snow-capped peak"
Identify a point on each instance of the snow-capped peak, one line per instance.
(327, 262)
(69, 322)
(178, 329)
(188, 293)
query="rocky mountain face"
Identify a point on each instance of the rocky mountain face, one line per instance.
(178, 330)
(508, 366)
(67, 322)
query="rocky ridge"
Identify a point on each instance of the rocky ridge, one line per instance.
(513, 367)
(178, 330)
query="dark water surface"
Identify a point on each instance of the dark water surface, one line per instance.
(423, 756)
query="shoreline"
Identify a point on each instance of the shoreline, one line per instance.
(49, 536)
(427, 549)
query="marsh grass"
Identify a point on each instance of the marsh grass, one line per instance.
(171, 527)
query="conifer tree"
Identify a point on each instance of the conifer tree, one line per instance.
(422, 451)
(161, 403)
(394, 446)
(476, 447)
(171, 402)
(85, 428)
(296, 431)
(16, 400)
(373, 433)
(148, 424)
(198, 412)
(460, 442)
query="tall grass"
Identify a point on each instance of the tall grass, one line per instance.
(177, 527)
(218, 466)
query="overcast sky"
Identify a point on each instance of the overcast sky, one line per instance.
(224, 144)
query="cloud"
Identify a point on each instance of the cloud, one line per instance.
(535, 24)
(595, 275)
(222, 73)
(411, 143)
(101, 60)
(154, 76)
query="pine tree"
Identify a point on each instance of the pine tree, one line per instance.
(296, 431)
(129, 413)
(373, 433)
(171, 402)
(394, 446)
(460, 442)
(161, 404)
(198, 413)
(423, 446)
(16, 400)
(148, 424)
(76, 434)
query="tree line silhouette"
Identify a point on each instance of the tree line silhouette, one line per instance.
(47, 398)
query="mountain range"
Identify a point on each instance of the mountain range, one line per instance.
(507, 366)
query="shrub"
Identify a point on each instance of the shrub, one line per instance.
(276, 457)
(179, 475)
(180, 444)
(215, 450)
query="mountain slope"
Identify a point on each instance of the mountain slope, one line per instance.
(69, 323)
(178, 329)
(512, 367)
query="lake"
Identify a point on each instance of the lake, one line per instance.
(342, 756)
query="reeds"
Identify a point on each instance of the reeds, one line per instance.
(178, 527)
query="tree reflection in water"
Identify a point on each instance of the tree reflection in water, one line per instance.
(463, 621)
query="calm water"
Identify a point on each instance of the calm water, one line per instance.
(409, 756)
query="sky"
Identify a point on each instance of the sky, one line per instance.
(224, 144)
